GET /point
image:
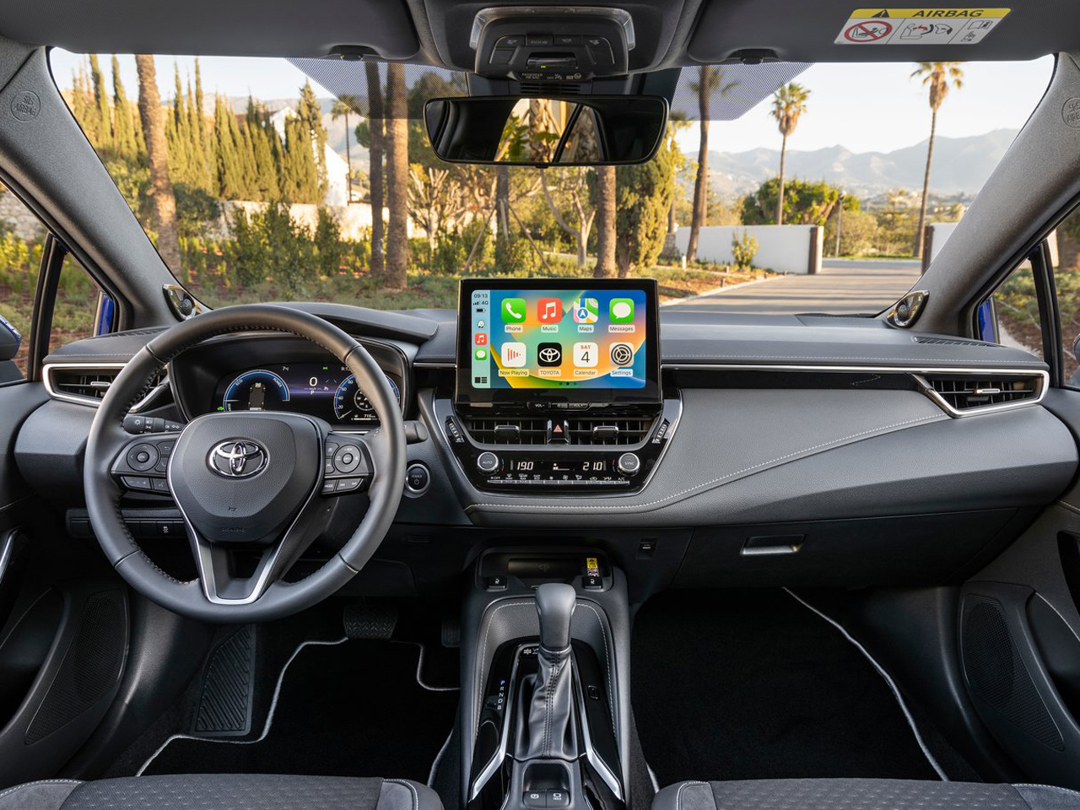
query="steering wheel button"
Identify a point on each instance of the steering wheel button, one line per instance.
(348, 484)
(347, 459)
(329, 487)
(328, 468)
(160, 485)
(136, 482)
(331, 448)
(142, 457)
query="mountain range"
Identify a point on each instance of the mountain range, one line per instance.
(960, 167)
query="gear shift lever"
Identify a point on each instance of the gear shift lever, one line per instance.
(544, 727)
(555, 605)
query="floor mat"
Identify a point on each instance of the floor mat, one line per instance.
(752, 685)
(353, 708)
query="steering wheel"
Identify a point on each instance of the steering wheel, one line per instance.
(249, 484)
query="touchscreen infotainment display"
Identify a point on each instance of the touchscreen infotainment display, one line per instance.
(589, 342)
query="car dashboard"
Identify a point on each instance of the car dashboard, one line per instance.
(890, 458)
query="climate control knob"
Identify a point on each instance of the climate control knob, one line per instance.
(629, 464)
(487, 462)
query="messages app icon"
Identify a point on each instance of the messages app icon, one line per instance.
(622, 310)
(513, 310)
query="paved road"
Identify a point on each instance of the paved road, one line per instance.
(844, 287)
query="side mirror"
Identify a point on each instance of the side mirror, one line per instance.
(987, 319)
(542, 132)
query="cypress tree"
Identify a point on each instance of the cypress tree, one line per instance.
(300, 176)
(266, 179)
(123, 119)
(227, 159)
(310, 113)
(199, 150)
(100, 120)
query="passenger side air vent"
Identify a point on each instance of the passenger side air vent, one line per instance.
(592, 430)
(971, 393)
(88, 384)
(938, 341)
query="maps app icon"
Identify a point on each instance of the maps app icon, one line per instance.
(587, 310)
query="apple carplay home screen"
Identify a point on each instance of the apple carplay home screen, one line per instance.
(592, 338)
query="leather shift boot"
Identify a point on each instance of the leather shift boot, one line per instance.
(545, 727)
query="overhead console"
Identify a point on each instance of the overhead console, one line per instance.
(553, 43)
(558, 386)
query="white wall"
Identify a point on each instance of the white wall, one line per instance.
(781, 248)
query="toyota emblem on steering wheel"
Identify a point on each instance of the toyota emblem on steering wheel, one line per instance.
(238, 458)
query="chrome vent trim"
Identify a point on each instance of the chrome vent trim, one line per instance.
(88, 383)
(969, 393)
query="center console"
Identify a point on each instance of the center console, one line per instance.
(544, 709)
(558, 387)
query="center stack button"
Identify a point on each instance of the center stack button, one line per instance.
(487, 462)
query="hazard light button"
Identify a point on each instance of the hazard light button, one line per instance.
(558, 431)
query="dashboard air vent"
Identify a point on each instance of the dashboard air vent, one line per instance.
(938, 341)
(593, 430)
(964, 393)
(89, 384)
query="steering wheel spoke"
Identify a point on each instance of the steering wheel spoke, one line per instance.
(142, 465)
(347, 464)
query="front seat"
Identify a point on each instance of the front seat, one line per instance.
(861, 794)
(222, 792)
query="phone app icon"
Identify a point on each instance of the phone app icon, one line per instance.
(587, 310)
(549, 354)
(481, 354)
(514, 310)
(549, 310)
(585, 355)
(513, 355)
(621, 310)
(622, 354)
(481, 339)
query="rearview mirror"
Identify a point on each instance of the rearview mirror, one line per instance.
(576, 131)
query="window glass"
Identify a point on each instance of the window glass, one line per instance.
(1017, 306)
(22, 239)
(1065, 250)
(293, 179)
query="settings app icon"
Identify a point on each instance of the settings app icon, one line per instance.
(622, 354)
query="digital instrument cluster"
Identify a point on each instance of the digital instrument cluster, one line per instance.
(326, 390)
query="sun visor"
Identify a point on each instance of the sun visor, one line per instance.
(231, 28)
(855, 31)
(735, 89)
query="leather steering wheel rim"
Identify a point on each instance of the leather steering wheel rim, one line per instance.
(107, 438)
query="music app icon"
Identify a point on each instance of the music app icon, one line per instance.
(549, 310)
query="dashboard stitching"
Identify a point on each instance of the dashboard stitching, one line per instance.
(701, 487)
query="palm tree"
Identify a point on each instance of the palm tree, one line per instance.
(152, 115)
(605, 222)
(710, 79)
(397, 177)
(375, 165)
(939, 77)
(789, 103)
(342, 107)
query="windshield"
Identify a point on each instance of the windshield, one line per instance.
(778, 188)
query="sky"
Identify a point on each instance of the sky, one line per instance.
(864, 107)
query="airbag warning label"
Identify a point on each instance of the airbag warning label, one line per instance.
(920, 26)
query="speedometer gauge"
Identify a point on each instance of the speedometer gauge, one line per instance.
(350, 404)
(257, 390)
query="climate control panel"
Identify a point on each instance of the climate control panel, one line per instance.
(594, 452)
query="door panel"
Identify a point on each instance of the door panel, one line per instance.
(1019, 635)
